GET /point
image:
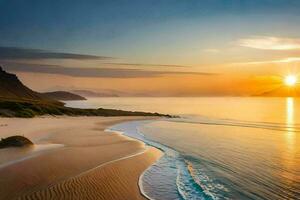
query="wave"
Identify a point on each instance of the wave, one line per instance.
(178, 175)
(172, 176)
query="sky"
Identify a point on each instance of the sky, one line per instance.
(151, 47)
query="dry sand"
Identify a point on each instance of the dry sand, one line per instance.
(73, 159)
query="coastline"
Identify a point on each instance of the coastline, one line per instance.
(168, 177)
(89, 163)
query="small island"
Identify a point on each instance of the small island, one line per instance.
(15, 141)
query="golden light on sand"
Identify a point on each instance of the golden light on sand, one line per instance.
(290, 80)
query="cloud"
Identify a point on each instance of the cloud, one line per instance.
(270, 43)
(91, 72)
(284, 60)
(14, 53)
(148, 65)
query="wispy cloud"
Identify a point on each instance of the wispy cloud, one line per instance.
(284, 60)
(14, 53)
(270, 43)
(148, 65)
(92, 72)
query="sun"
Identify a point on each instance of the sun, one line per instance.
(290, 80)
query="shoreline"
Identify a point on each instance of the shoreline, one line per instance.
(91, 163)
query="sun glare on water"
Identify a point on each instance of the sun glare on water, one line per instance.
(290, 80)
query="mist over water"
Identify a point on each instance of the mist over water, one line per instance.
(220, 148)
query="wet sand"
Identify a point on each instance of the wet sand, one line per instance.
(74, 159)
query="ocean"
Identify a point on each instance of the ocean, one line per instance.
(219, 148)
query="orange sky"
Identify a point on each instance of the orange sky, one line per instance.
(244, 66)
(241, 84)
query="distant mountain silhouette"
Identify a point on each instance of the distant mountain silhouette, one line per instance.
(17, 100)
(12, 88)
(63, 96)
(109, 93)
(88, 93)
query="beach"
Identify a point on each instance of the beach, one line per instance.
(73, 158)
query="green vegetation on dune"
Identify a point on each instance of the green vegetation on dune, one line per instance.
(28, 109)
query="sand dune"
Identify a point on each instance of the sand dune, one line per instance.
(91, 164)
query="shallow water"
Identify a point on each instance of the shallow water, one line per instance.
(220, 148)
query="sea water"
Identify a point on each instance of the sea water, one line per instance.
(219, 148)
